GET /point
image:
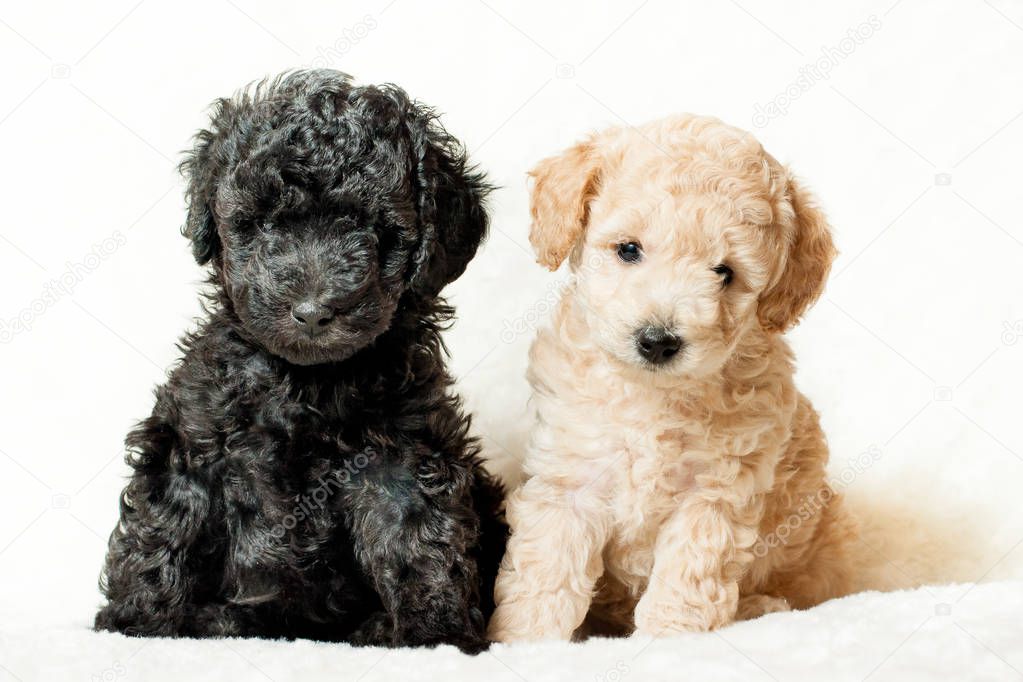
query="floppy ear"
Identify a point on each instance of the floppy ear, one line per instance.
(562, 188)
(200, 189)
(807, 262)
(452, 217)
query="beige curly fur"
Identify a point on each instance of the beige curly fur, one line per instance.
(683, 496)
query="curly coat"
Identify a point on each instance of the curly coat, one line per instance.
(315, 481)
(677, 479)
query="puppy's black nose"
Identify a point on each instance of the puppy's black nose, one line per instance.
(657, 344)
(311, 316)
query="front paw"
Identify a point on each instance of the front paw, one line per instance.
(530, 620)
(377, 630)
(500, 627)
(468, 643)
(464, 631)
(664, 618)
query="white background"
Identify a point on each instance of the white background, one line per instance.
(912, 145)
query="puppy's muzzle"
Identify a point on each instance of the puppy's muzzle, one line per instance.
(311, 316)
(657, 345)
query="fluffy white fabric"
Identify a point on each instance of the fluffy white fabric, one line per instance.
(956, 633)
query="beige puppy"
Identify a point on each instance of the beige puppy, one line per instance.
(676, 477)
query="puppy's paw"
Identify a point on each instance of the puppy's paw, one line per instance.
(470, 644)
(756, 605)
(467, 641)
(526, 621)
(464, 630)
(377, 630)
(666, 627)
(664, 619)
(499, 629)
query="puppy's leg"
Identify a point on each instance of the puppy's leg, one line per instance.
(553, 560)
(700, 555)
(416, 547)
(148, 577)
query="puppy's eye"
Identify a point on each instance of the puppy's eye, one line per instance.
(725, 272)
(630, 252)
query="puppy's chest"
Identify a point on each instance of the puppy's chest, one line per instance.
(648, 464)
(268, 423)
(652, 474)
(647, 482)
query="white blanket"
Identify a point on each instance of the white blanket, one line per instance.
(958, 632)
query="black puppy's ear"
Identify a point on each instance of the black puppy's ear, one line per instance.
(450, 200)
(200, 189)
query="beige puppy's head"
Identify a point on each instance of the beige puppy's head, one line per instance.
(684, 236)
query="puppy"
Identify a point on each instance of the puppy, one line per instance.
(670, 445)
(306, 471)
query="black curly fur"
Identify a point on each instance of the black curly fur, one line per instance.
(326, 487)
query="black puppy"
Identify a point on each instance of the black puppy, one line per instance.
(306, 471)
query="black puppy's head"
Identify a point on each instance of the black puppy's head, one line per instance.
(324, 206)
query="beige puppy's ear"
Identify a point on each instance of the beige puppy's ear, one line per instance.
(562, 188)
(807, 264)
